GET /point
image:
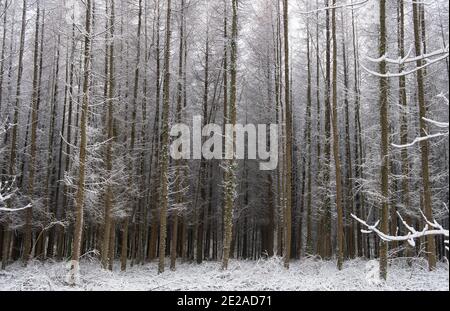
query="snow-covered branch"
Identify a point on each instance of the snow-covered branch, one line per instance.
(431, 229)
(6, 193)
(405, 73)
(352, 6)
(444, 125)
(407, 59)
(419, 140)
(13, 210)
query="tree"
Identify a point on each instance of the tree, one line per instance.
(337, 161)
(79, 204)
(424, 145)
(110, 136)
(230, 165)
(164, 197)
(34, 125)
(404, 114)
(3, 52)
(179, 163)
(384, 122)
(325, 240)
(289, 139)
(13, 149)
(309, 141)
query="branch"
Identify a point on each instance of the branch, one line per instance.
(404, 73)
(12, 210)
(352, 6)
(407, 59)
(411, 236)
(436, 123)
(419, 140)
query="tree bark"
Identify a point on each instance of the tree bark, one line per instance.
(384, 122)
(79, 204)
(164, 198)
(424, 145)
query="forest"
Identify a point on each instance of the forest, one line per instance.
(354, 95)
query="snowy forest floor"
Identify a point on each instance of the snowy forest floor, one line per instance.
(263, 275)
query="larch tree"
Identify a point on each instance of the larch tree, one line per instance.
(230, 164)
(336, 147)
(289, 139)
(179, 163)
(403, 104)
(309, 141)
(110, 136)
(424, 145)
(164, 194)
(33, 147)
(13, 149)
(384, 123)
(79, 204)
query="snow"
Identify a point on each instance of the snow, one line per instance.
(264, 275)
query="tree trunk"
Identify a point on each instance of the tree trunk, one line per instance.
(110, 136)
(309, 152)
(164, 198)
(384, 122)
(78, 229)
(33, 147)
(13, 151)
(230, 169)
(179, 169)
(424, 145)
(336, 149)
(326, 249)
(289, 140)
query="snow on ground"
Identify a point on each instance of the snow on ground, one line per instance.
(264, 275)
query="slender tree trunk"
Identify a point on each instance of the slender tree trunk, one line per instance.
(42, 236)
(424, 145)
(33, 147)
(2, 55)
(108, 228)
(404, 120)
(384, 121)
(179, 169)
(349, 200)
(78, 229)
(156, 141)
(309, 142)
(203, 167)
(309, 242)
(359, 196)
(289, 139)
(326, 244)
(230, 170)
(164, 198)
(13, 151)
(124, 255)
(336, 149)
